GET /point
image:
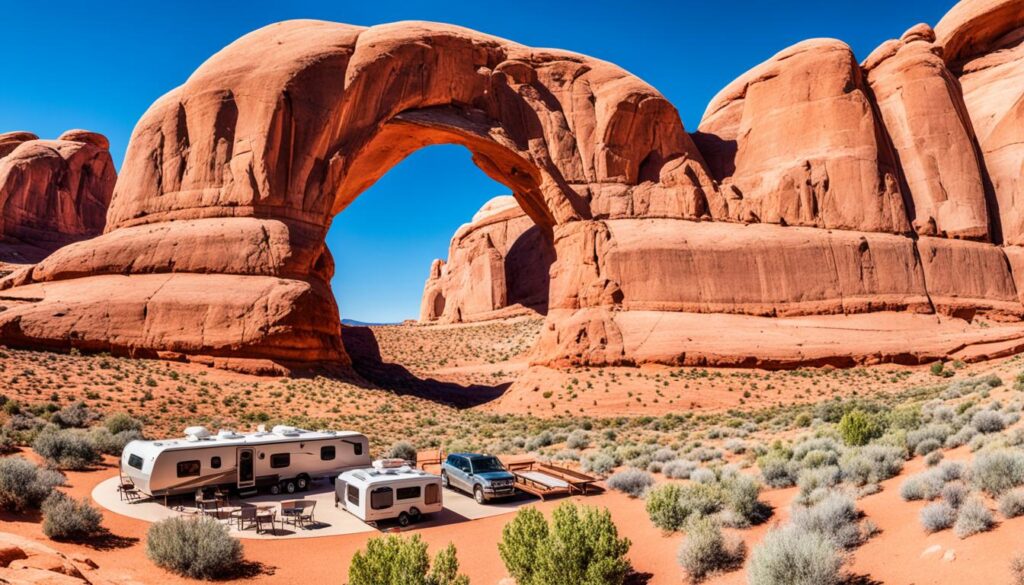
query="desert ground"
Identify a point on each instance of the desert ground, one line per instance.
(468, 387)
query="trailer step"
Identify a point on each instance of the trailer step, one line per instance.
(248, 493)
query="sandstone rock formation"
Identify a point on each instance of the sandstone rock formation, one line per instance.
(820, 200)
(497, 267)
(52, 192)
(26, 562)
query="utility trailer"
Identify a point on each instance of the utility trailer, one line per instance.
(545, 480)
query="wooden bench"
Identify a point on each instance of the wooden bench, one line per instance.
(544, 480)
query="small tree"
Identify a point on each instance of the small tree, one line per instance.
(393, 560)
(581, 546)
(859, 428)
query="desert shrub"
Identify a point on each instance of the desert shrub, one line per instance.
(633, 482)
(393, 560)
(871, 464)
(200, 548)
(8, 444)
(578, 439)
(995, 472)
(926, 485)
(777, 471)
(663, 507)
(817, 478)
(402, 450)
(66, 449)
(972, 518)
(75, 415)
(987, 421)
(664, 455)
(936, 431)
(954, 493)
(109, 443)
(600, 463)
(937, 516)
(542, 439)
(817, 452)
(1011, 503)
(1017, 567)
(678, 468)
(735, 446)
(835, 517)
(740, 500)
(927, 446)
(66, 518)
(950, 470)
(580, 546)
(793, 556)
(24, 484)
(962, 437)
(703, 475)
(934, 458)
(706, 551)
(121, 422)
(858, 428)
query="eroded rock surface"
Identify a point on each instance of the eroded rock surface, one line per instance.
(825, 211)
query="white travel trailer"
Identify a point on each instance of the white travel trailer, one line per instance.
(388, 490)
(283, 459)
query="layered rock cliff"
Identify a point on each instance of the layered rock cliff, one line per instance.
(497, 267)
(825, 210)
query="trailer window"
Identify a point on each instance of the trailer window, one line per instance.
(279, 460)
(408, 493)
(357, 448)
(215, 462)
(382, 498)
(433, 494)
(135, 461)
(353, 494)
(327, 453)
(188, 468)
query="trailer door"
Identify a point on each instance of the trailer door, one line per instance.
(246, 473)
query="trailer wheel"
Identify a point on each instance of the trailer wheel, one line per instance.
(414, 514)
(275, 489)
(403, 519)
(302, 482)
(289, 486)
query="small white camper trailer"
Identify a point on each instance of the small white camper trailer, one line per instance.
(388, 490)
(283, 459)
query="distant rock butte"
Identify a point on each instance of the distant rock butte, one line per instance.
(497, 267)
(52, 192)
(825, 210)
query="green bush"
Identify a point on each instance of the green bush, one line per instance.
(859, 428)
(200, 548)
(580, 546)
(392, 560)
(66, 449)
(706, 550)
(793, 556)
(25, 485)
(66, 518)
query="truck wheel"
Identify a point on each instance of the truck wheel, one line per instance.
(302, 483)
(289, 486)
(275, 489)
(478, 494)
(444, 480)
(403, 519)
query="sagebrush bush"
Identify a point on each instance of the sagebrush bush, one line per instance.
(835, 517)
(1011, 503)
(937, 431)
(121, 422)
(632, 482)
(816, 478)
(402, 450)
(66, 449)
(393, 560)
(987, 421)
(962, 437)
(200, 548)
(703, 475)
(678, 469)
(600, 463)
(578, 439)
(66, 518)
(937, 516)
(871, 464)
(927, 446)
(995, 472)
(793, 556)
(110, 443)
(926, 485)
(740, 498)
(73, 416)
(972, 518)
(778, 471)
(25, 485)
(580, 546)
(707, 551)
(954, 493)
(933, 458)
(858, 428)
(1017, 569)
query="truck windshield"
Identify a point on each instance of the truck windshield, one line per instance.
(484, 464)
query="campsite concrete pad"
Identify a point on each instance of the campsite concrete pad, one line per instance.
(328, 520)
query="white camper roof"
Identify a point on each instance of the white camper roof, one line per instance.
(199, 437)
(373, 476)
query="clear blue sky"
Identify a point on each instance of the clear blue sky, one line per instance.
(98, 65)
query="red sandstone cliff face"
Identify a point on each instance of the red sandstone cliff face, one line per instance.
(497, 267)
(52, 192)
(824, 212)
